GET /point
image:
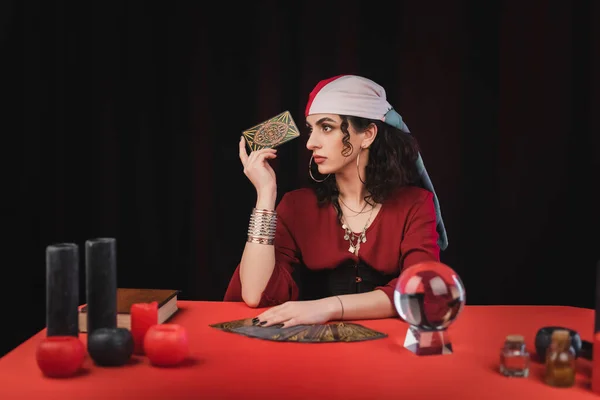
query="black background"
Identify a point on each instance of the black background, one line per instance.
(124, 118)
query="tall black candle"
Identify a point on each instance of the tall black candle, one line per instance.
(62, 289)
(597, 308)
(101, 283)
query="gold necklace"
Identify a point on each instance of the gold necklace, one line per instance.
(356, 240)
(362, 210)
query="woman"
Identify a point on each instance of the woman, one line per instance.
(334, 251)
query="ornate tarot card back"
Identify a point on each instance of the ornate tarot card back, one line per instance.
(272, 132)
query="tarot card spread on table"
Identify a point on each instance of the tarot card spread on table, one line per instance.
(321, 333)
(272, 133)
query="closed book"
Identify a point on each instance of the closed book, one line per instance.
(166, 299)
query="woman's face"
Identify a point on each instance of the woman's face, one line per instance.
(325, 143)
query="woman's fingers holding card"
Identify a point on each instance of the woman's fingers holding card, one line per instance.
(257, 168)
(260, 155)
(243, 152)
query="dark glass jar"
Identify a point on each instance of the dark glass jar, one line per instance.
(560, 360)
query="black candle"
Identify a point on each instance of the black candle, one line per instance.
(62, 289)
(101, 283)
(597, 308)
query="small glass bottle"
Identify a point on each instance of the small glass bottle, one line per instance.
(560, 360)
(514, 358)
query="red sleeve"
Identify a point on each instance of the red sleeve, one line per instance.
(281, 286)
(420, 240)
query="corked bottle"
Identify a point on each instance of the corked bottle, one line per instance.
(560, 360)
(514, 358)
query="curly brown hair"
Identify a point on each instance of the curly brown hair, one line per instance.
(392, 163)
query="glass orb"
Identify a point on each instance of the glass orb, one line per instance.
(429, 296)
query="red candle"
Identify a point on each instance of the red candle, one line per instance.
(596, 364)
(166, 345)
(143, 316)
(60, 356)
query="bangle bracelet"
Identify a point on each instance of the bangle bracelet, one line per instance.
(341, 304)
(263, 225)
(260, 240)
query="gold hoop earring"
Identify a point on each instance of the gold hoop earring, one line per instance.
(311, 174)
(357, 167)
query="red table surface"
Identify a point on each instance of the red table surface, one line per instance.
(229, 366)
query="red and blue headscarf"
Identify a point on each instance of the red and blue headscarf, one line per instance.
(361, 97)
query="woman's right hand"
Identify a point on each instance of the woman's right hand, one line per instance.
(257, 168)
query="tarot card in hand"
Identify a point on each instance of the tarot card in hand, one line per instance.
(272, 132)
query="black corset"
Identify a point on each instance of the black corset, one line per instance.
(347, 278)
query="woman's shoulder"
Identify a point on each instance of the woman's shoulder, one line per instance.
(299, 198)
(408, 196)
(304, 193)
(300, 194)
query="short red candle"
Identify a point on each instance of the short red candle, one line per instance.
(60, 356)
(166, 345)
(143, 316)
(596, 364)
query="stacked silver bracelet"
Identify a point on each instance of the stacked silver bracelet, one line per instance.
(263, 224)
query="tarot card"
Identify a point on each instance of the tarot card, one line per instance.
(272, 132)
(318, 333)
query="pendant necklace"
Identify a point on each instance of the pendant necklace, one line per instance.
(354, 239)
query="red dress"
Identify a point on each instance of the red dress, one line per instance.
(312, 257)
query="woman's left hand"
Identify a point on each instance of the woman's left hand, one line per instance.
(300, 313)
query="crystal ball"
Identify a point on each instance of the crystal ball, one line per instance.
(429, 296)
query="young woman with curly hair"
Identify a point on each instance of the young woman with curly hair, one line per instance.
(334, 251)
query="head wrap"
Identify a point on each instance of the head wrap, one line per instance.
(361, 97)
